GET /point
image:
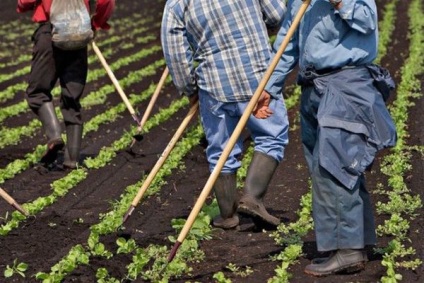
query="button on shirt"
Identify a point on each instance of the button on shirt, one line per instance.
(327, 38)
(221, 47)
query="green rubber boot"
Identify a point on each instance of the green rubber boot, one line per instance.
(73, 146)
(225, 189)
(259, 175)
(52, 129)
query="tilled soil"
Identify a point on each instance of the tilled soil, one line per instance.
(42, 241)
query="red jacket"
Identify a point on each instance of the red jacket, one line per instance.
(41, 8)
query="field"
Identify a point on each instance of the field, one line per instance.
(74, 233)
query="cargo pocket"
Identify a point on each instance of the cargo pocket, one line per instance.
(345, 155)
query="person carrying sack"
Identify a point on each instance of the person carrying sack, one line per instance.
(50, 62)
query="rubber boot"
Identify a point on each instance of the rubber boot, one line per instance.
(345, 260)
(259, 175)
(225, 189)
(73, 146)
(52, 129)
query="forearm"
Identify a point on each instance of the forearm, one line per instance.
(287, 61)
(178, 53)
(273, 11)
(27, 5)
(182, 77)
(104, 10)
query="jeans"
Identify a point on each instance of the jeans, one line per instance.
(219, 119)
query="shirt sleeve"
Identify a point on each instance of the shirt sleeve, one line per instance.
(360, 15)
(178, 52)
(289, 58)
(273, 11)
(26, 5)
(104, 9)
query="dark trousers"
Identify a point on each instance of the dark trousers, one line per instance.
(50, 64)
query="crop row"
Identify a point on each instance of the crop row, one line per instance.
(142, 27)
(148, 262)
(402, 205)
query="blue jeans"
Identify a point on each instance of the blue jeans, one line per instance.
(219, 119)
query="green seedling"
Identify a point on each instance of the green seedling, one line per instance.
(16, 268)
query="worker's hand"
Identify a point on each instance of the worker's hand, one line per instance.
(337, 4)
(262, 110)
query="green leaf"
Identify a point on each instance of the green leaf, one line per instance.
(8, 272)
(22, 267)
(41, 275)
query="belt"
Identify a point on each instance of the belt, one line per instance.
(308, 74)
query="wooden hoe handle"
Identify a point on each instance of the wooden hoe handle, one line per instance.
(161, 160)
(12, 202)
(154, 98)
(114, 80)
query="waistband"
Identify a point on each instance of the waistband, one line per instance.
(309, 73)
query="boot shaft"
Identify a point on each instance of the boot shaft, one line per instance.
(73, 145)
(49, 120)
(225, 189)
(259, 175)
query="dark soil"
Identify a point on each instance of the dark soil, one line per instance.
(42, 241)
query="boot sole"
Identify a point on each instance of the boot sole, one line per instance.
(227, 224)
(246, 210)
(51, 155)
(355, 267)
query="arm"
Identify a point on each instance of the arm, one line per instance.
(289, 58)
(273, 11)
(360, 15)
(27, 5)
(178, 53)
(104, 9)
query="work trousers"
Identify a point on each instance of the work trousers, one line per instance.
(343, 217)
(219, 120)
(50, 64)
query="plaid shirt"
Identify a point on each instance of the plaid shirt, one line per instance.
(219, 46)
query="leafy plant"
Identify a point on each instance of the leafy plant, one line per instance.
(125, 246)
(239, 271)
(103, 276)
(16, 268)
(220, 278)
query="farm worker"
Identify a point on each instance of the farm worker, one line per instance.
(344, 121)
(217, 52)
(50, 64)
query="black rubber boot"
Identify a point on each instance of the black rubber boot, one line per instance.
(259, 175)
(346, 261)
(52, 129)
(73, 146)
(225, 189)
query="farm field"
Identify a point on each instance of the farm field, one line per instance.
(74, 233)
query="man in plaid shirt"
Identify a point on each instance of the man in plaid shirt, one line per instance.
(218, 52)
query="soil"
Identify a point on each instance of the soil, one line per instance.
(43, 241)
